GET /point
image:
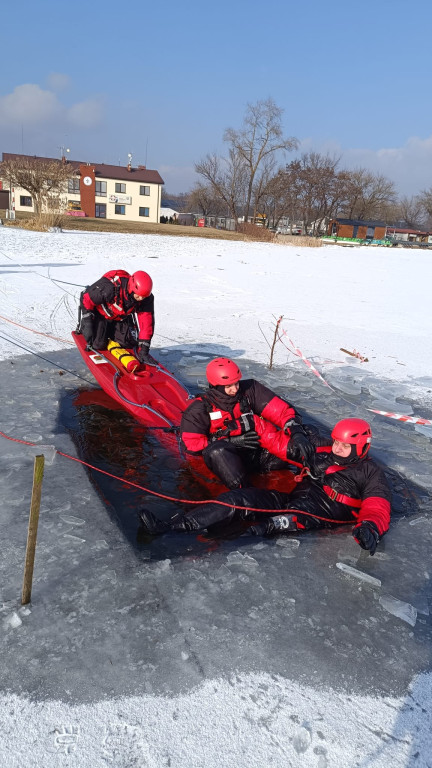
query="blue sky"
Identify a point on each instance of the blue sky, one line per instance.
(164, 80)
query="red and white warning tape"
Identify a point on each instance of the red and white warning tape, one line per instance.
(309, 364)
(389, 414)
(401, 417)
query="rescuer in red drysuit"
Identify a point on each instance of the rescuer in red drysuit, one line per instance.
(344, 486)
(119, 306)
(241, 427)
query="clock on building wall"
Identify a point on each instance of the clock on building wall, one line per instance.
(87, 180)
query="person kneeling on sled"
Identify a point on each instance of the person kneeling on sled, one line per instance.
(241, 426)
(120, 307)
(346, 487)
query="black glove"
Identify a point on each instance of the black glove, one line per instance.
(86, 326)
(248, 440)
(299, 446)
(296, 422)
(143, 351)
(367, 535)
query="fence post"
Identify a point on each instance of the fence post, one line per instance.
(32, 529)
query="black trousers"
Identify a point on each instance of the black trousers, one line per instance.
(307, 498)
(233, 465)
(122, 331)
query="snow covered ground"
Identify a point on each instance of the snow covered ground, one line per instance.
(174, 653)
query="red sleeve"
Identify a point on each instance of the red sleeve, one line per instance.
(377, 510)
(145, 325)
(195, 427)
(87, 302)
(145, 318)
(194, 442)
(273, 439)
(278, 412)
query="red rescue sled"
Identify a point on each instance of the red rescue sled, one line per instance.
(156, 399)
(151, 394)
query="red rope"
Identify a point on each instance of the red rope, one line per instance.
(174, 498)
(39, 333)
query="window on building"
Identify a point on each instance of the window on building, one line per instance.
(74, 186)
(101, 188)
(144, 211)
(121, 209)
(144, 190)
(100, 210)
(24, 200)
(120, 188)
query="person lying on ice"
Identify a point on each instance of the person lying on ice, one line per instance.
(241, 426)
(119, 306)
(343, 486)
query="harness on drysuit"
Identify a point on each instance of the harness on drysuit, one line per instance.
(333, 495)
(116, 281)
(246, 418)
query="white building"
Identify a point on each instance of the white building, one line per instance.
(102, 191)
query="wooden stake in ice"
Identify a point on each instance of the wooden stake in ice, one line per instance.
(32, 529)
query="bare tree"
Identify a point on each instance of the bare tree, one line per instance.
(409, 211)
(260, 137)
(369, 195)
(246, 170)
(202, 199)
(312, 189)
(227, 178)
(45, 179)
(425, 198)
(260, 189)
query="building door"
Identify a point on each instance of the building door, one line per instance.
(100, 211)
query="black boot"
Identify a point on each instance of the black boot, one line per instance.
(156, 527)
(275, 524)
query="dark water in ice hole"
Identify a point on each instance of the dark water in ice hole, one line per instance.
(112, 440)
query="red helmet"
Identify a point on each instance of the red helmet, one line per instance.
(140, 283)
(222, 371)
(355, 432)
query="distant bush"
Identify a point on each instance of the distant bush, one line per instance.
(310, 242)
(44, 222)
(253, 232)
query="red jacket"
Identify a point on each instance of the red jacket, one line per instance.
(255, 407)
(109, 296)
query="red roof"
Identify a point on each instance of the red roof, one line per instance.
(104, 171)
(406, 231)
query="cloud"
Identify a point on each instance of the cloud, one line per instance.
(31, 106)
(86, 114)
(408, 166)
(58, 82)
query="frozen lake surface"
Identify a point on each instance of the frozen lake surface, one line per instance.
(114, 614)
(189, 653)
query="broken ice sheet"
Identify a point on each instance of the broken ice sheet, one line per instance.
(72, 520)
(13, 621)
(358, 574)
(404, 611)
(236, 558)
(48, 451)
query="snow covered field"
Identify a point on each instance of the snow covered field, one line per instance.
(252, 654)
